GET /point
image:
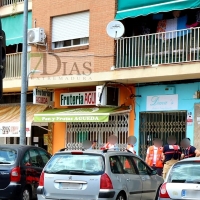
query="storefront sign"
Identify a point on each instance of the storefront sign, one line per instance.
(41, 96)
(162, 102)
(13, 129)
(78, 98)
(189, 119)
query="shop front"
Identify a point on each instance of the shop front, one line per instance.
(165, 110)
(77, 117)
(10, 122)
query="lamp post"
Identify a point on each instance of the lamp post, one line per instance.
(24, 78)
(33, 71)
(23, 108)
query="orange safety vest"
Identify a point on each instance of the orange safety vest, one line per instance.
(150, 157)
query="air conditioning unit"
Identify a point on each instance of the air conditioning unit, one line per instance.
(36, 35)
(107, 96)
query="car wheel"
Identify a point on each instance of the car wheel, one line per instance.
(26, 195)
(121, 196)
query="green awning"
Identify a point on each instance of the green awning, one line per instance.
(135, 8)
(96, 114)
(13, 28)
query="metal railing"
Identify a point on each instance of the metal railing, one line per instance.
(159, 48)
(9, 2)
(13, 65)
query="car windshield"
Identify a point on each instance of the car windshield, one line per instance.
(185, 172)
(7, 156)
(86, 164)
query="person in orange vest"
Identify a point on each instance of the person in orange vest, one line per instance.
(154, 156)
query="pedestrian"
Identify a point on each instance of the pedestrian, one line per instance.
(94, 144)
(130, 148)
(171, 154)
(188, 150)
(154, 156)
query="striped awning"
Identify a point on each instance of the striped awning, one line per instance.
(10, 119)
(135, 8)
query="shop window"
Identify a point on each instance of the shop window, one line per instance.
(70, 30)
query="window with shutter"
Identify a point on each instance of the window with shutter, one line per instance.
(70, 30)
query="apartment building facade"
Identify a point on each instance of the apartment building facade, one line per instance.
(161, 49)
(76, 57)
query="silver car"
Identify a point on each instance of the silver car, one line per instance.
(182, 181)
(98, 175)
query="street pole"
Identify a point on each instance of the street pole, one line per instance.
(24, 78)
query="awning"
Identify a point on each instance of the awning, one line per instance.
(13, 28)
(10, 119)
(135, 8)
(97, 114)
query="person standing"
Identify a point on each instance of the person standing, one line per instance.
(130, 148)
(154, 156)
(94, 144)
(171, 154)
(188, 150)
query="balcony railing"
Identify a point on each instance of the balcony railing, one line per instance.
(9, 2)
(159, 48)
(13, 65)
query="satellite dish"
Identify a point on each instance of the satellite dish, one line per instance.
(132, 140)
(31, 36)
(87, 144)
(115, 29)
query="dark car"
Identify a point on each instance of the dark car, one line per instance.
(20, 169)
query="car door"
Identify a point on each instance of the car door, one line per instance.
(45, 156)
(35, 168)
(116, 174)
(132, 178)
(149, 183)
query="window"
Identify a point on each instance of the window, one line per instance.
(115, 165)
(26, 159)
(127, 164)
(8, 156)
(35, 158)
(45, 156)
(142, 167)
(76, 164)
(185, 172)
(70, 30)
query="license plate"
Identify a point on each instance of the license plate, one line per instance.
(183, 193)
(71, 186)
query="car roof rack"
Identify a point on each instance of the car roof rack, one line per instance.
(66, 149)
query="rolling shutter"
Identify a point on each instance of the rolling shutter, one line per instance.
(70, 27)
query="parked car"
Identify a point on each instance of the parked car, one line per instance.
(182, 181)
(20, 169)
(98, 174)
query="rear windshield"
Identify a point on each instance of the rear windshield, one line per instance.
(186, 172)
(85, 164)
(7, 156)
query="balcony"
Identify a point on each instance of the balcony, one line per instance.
(158, 49)
(9, 2)
(13, 65)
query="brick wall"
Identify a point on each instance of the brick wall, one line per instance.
(100, 44)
